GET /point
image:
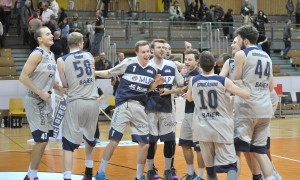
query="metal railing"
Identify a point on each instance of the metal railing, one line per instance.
(109, 49)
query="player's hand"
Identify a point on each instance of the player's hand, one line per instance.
(45, 95)
(184, 89)
(159, 79)
(165, 91)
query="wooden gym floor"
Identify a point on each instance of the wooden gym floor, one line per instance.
(15, 153)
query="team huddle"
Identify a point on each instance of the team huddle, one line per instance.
(225, 114)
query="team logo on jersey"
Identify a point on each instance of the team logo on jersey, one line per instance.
(167, 71)
(150, 71)
(135, 78)
(49, 67)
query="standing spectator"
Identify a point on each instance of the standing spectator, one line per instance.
(6, 5)
(89, 35)
(175, 12)
(105, 10)
(52, 24)
(99, 32)
(263, 44)
(290, 8)
(228, 24)
(19, 4)
(62, 14)
(259, 22)
(54, 7)
(297, 13)
(287, 34)
(26, 12)
(33, 25)
(247, 11)
(166, 4)
(1, 36)
(46, 14)
(59, 47)
(76, 24)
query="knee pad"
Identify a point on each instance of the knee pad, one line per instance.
(68, 146)
(151, 150)
(91, 143)
(168, 149)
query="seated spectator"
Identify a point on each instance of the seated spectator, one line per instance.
(191, 12)
(54, 7)
(175, 12)
(59, 47)
(228, 24)
(76, 24)
(102, 63)
(218, 14)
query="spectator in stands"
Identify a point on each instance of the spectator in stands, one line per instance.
(105, 10)
(297, 14)
(26, 12)
(54, 7)
(19, 4)
(89, 35)
(64, 28)
(247, 11)
(59, 47)
(259, 22)
(263, 44)
(287, 34)
(61, 15)
(103, 63)
(76, 24)
(52, 24)
(1, 35)
(290, 8)
(228, 24)
(166, 4)
(201, 12)
(218, 14)
(99, 32)
(33, 25)
(6, 5)
(191, 12)
(46, 14)
(116, 80)
(175, 12)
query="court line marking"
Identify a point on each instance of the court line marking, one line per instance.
(290, 159)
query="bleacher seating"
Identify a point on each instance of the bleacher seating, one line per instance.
(7, 67)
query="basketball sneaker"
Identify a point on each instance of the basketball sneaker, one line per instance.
(168, 175)
(151, 175)
(100, 176)
(174, 175)
(190, 177)
(88, 174)
(156, 176)
(28, 178)
(141, 178)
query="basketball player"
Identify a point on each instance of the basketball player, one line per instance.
(159, 109)
(213, 122)
(140, 76)
(254, 68)
(81, 115)
(186, 141)
(38, 75)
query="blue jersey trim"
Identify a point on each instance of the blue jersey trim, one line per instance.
(221, 79)
(247, 50)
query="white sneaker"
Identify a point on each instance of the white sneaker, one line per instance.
(277, 176)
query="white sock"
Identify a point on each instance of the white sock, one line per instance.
(103, 165)
(139, 170)
(32, 173)
(270, 178)
(191, 169)
(201, 173)
(168, 162)
(150, 164)
(89, 163)
(67, 175)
